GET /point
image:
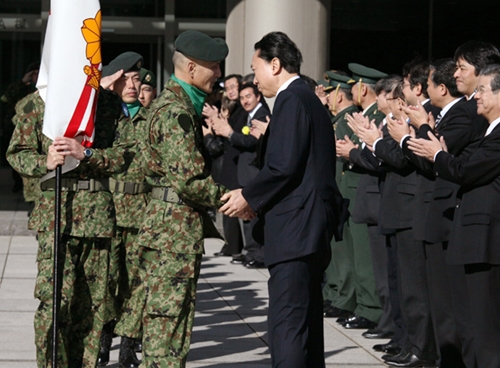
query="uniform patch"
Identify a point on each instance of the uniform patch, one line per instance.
(184, 122)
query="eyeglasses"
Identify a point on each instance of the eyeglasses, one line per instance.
(233, 86)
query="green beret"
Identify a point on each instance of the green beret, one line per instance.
(335, 79)
(147, 77)
(364, 74)
(201, 46)
(128, 61)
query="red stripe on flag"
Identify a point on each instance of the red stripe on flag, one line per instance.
(81, 107)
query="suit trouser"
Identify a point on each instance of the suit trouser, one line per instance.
(440, 277)
(295, 316)
(232, 234)
(481, 299)
(414, 296)
(357, 291)
(254, 250)
(400, 334)
(380, 271)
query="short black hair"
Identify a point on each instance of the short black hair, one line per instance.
(417, 73)
(478, 54)
(310, 82)
(231, 76)
(387, 84)
(250, 85)
(443, 74)
(492, 70)
(279, 45)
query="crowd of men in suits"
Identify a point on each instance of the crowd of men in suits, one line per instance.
(418, 158)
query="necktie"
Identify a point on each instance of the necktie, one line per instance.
(438, 119)
(249, 121)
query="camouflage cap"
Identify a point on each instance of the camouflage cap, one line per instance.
(361, 73)
(200, 46)
(147, 77)
(335, 79)
(128, 61)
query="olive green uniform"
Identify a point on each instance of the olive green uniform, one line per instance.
(174, 226)
(357, 291)
(87, 225)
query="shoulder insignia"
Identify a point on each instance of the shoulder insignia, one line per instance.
(28, 107)
(184, 122)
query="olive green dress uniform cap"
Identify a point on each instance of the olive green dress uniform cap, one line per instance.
(147, 77)
(335, 79)
(128, 61)
(200, 46)
(364, 74)
(324, 83)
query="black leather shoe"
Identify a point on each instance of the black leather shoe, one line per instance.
(391, 348)
(336, 312)
(326, 304)
(359, 323)
(410, 360)
(377, 334)
(238, 259)
(221, 254)
(342, 320)
(255, 264)
(138, 346)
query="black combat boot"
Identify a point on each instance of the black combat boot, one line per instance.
(127, 357)
(105, 344)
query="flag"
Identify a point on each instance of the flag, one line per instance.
(70, 70)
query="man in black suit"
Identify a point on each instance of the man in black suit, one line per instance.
(227, 176)
(296, 196)
(473, 244)
(240, 139)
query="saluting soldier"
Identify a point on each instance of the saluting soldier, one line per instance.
(178, 167)
(87, 225)
(130, 195)
(340, 103)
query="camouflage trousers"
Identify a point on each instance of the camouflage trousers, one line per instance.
(131, 295)
(170, 283)
(83, 290)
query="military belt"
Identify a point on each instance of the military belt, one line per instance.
(127, 187)
(75, 185)
(165, 194)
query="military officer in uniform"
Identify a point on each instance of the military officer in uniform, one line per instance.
(360, 291)
(130, 196)
(178, 168)
(148, 87)
(340, 103)
(87, 225)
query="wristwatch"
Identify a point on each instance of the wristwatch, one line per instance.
(87, 154)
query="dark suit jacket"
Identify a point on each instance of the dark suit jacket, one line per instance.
(476, 225)
(228, 174)
(246, 146)
(461, 128)
(366, 207)
(425, 183)
(295, 191)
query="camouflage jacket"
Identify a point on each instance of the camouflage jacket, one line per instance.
(130, 208)
(176, 157)
(83, 213)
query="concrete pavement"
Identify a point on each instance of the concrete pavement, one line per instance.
(230, 324)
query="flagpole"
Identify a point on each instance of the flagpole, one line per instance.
(56, 271)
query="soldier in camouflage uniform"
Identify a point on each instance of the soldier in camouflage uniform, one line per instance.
(176, 221)
(87, 225)
(130, 195)
(31, 186)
